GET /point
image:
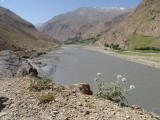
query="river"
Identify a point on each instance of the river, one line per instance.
(77, 65)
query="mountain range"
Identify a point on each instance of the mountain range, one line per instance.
(78, 22)
(139, 29)
(18, 34)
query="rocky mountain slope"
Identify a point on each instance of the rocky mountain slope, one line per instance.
(139, 29)
(77, 22)
(103, 27)
(17, 34)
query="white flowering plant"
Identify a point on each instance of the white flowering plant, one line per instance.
(114, 91)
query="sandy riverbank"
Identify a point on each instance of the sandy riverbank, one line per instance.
(152, 61)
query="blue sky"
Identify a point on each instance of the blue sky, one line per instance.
(40, 11)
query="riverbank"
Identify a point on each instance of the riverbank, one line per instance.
(149, 59)
(19, 103)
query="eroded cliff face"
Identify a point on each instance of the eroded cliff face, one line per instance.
(143, 21)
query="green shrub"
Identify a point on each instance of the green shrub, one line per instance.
(38, 84)
(47, 97)
(25, 56)
(40, 53)
(58, 89)
(78, 40)
(147, 48)
(113, 46)
(106, 45)
(114, 91)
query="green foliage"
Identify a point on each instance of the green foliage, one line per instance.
(106, 45)
(47, 97)
(138, 41)
(114, 91)
(111, 91)
(148, 48)
(38, 84)
(58, 89)
(78, 40)
(151, 19)
(112, 46)
(40, 53)
(25, 56)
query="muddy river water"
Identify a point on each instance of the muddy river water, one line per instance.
(76, 65)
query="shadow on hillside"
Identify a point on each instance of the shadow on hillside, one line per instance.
(2, 101)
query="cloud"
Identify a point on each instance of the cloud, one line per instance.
(2, 0)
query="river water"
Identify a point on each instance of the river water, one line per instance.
(77, 65)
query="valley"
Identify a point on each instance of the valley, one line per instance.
(85, 62)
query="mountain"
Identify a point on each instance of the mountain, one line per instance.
(103, 27)
(77, 22)
(16, 33)
(139, 29)
(38, 26)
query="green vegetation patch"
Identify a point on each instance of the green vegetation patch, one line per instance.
(151, 19)
(112, 46)
(78, 40)
(41, 53)
(47, 97)
(25, 56)
(137, 53)
(38, 84)
(139, 41)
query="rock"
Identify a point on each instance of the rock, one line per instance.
(21, 72)
(26, 69)
(33, 71)
(84, 88)
(2, 114)
(8, 63)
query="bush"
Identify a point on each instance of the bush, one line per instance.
(78, 40)
(113, 46)
(114, 91)
(40, 53)
(148, 48)
(106, 45)
(38, 84)
(25, 56)
(47, 97)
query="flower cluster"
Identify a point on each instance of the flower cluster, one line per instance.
(114, 91)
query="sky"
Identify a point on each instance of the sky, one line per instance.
(40, 11)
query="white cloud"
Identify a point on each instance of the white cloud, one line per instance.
(2, 0)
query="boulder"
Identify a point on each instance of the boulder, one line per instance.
(9, 63)
(26, 69)
(84, 88)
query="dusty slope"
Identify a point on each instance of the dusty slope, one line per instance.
(104, 27)
(77, 22)
(144, 21)
(21, 104)
(17, 33)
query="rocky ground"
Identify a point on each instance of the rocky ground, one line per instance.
(152, 61)
(17, 102)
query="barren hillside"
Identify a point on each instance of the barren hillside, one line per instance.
(139, 29)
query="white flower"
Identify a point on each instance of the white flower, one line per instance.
(96, 79)
(132, 87)
(99, 74)
(119, 76)
(124, 79)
